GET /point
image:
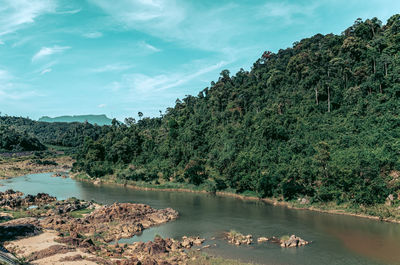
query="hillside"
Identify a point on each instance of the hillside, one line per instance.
(11, 140)
(58, 133)
(320, 120)
(92, 119)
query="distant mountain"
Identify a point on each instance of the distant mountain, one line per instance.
(98, 119)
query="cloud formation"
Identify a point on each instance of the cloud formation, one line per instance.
(10, 90)
(47, 51)
(93, 35)
(148, 47)
(117, 67)
(15, 14)
(45, 71)
(143, 85)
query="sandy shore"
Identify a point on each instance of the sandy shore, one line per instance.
(25, 247)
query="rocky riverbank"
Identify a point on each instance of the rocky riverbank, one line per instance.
(18, 166)
(42, 230)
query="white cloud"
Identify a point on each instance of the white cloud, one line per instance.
(173, 20)
(14, 14)
(101, 105)
(10, 90)
(73, 11)
(93, 35)
(143, 85)
(1, 42)
(47, 70)
(148, 46)
(5, 75)
(286, 11)
(112, 68)
(151, 16)
(47, 51)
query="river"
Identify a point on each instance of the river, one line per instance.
(337, 239)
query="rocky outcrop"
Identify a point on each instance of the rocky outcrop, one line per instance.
(238, 239)
(90, 233)
(11, 231)
(50, 251)
(111, 222)
(158, 251)
(293, 241)
(262, 240)
(11, 200)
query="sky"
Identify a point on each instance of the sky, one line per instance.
(119, 57)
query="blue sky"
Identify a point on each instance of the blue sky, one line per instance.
(118, 57)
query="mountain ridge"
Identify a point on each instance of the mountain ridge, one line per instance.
(99, 119)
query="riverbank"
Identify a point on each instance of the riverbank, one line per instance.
(378, 212)
(43, 230)
(31, 164)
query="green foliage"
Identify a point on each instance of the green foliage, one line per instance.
(11, 140)
(58, 133)
(318, 120)
(195, 173)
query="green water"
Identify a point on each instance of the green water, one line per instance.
(336, 239)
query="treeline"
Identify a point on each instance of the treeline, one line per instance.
(13, 141)
(320, 119)
(58, 133)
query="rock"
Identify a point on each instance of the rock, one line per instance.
(50, 251)
(304, 201)
(238, 238)
(389, 200)
(76, 257)
(14, 231)
(186, 243)
(262, 240)
(293, 241)
(97, 182)
(198, 241)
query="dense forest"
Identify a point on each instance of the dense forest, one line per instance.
(58, 133)
(93, 119)
(320, 119)
(11, 140)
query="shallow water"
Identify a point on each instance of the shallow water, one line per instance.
(337, 239)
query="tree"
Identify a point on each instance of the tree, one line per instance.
(130, 121)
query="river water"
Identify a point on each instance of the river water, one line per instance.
(337, 239)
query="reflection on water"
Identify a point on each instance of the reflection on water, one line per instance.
(336, 239)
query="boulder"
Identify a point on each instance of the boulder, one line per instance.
(262, 240)
(293, 241)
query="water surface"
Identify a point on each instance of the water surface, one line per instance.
(337, 239)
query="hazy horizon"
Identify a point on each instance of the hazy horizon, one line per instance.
(92, 57)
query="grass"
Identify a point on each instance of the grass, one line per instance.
(284, 238)
(16, 214)
(80, 213)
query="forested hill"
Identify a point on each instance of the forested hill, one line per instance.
(320, 119)
(11, 140)
(59, 133)
(93, 119)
